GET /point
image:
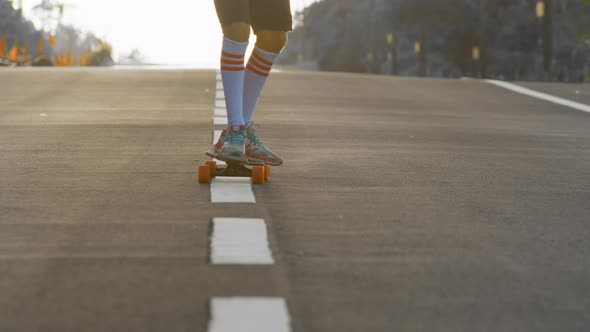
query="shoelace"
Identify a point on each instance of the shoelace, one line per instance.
(253, 137)
(235, 138)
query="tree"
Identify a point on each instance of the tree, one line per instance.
(338, 34)
(429, 16)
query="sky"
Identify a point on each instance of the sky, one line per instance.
(179, 32)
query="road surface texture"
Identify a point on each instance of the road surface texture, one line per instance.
(404, 204)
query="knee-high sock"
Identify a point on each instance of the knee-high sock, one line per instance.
(257, 72)
(232, 73)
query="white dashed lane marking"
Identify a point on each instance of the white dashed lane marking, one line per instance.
(220, 103)
(249, 314)
(240, 241)
(232, 190)
(220, 162)
(216, 135)
(542, 96)
(220, 121)
(220, 115)
(220, 112)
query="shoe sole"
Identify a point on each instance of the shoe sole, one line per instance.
(266, 162)
(232, 158)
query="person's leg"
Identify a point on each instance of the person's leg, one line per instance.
(235, 42)
(237, 31)
(232, 74)
(234, 16)
(270, 19)
(269, 45)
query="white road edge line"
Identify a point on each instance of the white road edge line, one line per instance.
(541, 95)
(260, 314)
(240, 241)
(232, 190)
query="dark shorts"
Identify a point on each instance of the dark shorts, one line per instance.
(272, 15)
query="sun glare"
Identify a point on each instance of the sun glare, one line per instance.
(165, 32)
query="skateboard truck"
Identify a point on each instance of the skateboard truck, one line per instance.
(236, 167)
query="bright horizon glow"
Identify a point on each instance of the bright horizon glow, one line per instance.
(175, 32)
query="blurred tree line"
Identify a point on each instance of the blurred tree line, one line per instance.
(15, 28)
(67, 39)
(508, 39)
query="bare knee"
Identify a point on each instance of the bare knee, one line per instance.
(271, 41)
(239, 32)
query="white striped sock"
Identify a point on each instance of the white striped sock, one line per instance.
(257, 72)
(232, 72)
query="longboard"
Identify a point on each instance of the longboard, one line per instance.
(236, 167)
(234, 160)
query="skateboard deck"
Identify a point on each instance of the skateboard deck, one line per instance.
(234, 160)
(236, 167)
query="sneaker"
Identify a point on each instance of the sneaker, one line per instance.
(233, 146)
(217, 146)
(256, 151)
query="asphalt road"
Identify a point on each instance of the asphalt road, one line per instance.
(404, 204)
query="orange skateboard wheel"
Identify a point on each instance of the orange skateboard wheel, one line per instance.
(204, 174)
(258, 174)
(266, 173)
(213, 165)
